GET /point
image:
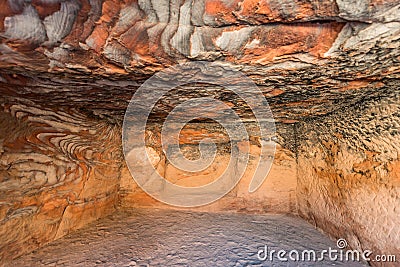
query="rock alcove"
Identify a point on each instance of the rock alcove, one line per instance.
(328, 69)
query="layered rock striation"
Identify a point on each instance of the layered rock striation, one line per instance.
(328, 69)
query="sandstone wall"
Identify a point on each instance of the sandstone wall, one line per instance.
(307, 57)
(277, 193)
(310, 59)
(58, 172)
(349, 174)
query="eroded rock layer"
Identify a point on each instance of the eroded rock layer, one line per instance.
(59, 170)
(348, 174)
(308, 57)
(329, 70)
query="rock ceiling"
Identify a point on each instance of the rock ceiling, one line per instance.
(309, 58)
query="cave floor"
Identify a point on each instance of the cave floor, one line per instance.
(151, 237)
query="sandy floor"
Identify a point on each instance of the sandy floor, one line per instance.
(176, 238)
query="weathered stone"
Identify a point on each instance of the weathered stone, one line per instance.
(59, 170)
(306, 57)
(329, 70)
(170, 238)
(348, 185)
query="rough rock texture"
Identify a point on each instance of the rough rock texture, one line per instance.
(68, 69)
(155, 237)
(348, 173)
(277, 194)
(58, 172)
(308, 57)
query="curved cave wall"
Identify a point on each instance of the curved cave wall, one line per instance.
(348, 183)
(329, 70)
(59, 171)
